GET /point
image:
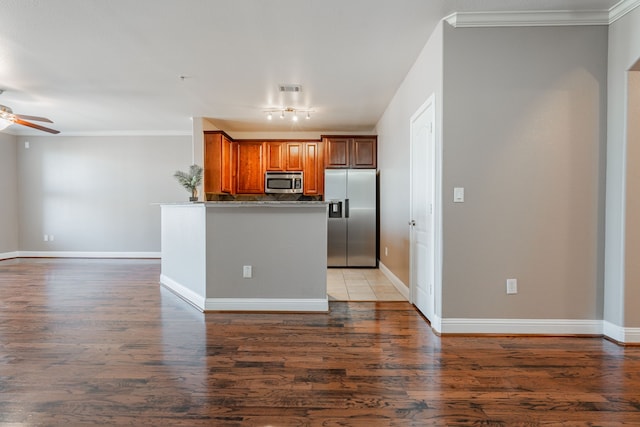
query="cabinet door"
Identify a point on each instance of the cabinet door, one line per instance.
(219, 164)
(228, 165)
(250, 169)
(363, 153)
(337, 152)
(212, 163)
(275, 160)
(294, 156)
(313, 168)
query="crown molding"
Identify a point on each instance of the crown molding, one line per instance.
(622, 8)
(530, 18)
(541, 18)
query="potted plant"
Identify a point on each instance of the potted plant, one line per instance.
(190, 180)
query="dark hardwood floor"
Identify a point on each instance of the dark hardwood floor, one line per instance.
(99, 342)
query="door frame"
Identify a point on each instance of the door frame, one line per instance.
(436, 217)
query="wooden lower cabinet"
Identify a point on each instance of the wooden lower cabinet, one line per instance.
(250, 177)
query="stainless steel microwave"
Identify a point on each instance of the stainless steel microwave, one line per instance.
(283, 182)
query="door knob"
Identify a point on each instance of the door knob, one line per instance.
(412, 223)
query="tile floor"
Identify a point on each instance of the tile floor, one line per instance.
(360, 284)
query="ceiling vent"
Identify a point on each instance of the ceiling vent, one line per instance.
(289, 88)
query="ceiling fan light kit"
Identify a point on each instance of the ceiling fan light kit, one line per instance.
(8, 118)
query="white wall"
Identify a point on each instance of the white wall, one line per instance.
(8, 196)
(97, 194)
(620, 307)
(524, 133)
(423, 80)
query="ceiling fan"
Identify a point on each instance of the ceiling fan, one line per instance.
(7, 118)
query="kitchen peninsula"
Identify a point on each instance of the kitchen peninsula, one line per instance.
(246, 256)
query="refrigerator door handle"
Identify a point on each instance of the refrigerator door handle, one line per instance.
(346, 208)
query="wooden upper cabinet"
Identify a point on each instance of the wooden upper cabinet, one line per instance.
(275, 159)
(219, 163)
(363, 152)
(295, 155)
(229, 162)
(250, 175)
(284, 156)
(313, 168)
(351, 152)
(337, 152)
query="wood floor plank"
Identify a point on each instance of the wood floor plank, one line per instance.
(99, 342)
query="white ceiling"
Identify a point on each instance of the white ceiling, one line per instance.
(101, 66)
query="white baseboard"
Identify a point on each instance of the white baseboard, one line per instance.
(521, 326)
(198, 301)
(81, 254)
(399, 285)
(244, 304)
(267, 304)
(9, 255)
(621, 334)
(436, 324)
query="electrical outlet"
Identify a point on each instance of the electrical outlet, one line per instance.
(247, 272)
(512, 286)
(51, 237)
(46, 238)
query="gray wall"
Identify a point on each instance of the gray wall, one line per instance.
(96, 194)
(524, 133)
(261, 237)
(621, 295)
(8, 195)
(423, 80)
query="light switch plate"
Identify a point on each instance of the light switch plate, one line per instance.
(458, 195)
(512, 286)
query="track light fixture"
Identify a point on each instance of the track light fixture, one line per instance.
(283, 113)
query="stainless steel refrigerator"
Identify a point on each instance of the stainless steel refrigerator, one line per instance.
(351, 194)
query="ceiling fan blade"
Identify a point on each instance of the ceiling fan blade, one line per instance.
(35, 126)
(36, 118)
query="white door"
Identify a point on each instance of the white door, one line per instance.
(422, 198)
